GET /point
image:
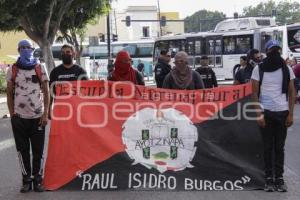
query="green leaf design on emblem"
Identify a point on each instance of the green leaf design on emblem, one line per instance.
(161, 155)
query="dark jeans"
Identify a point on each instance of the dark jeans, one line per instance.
(274, 135)
(27, 132)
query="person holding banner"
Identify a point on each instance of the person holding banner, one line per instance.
(67, 71)
(273, 88)
(123, 70)
(28, 103)
(182, 77)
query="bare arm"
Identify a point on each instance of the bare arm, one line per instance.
(45, 89)
(259, 112)
(10, 97)
(292, 96)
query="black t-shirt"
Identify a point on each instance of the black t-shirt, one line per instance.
(244, 74)
(208, 77)
(161, 70)
(61, 73)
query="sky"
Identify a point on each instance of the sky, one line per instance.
(188, 7)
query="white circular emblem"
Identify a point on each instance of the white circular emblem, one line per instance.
(162, 139)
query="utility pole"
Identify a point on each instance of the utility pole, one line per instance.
(108, 37)
(115, 22)
(158, 7)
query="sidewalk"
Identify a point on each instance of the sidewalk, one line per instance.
(3, 107)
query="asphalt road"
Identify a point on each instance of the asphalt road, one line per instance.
(10, 177)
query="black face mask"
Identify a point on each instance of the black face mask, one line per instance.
(67, 59)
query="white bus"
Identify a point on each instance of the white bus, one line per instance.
(230, 40)
(140, 51)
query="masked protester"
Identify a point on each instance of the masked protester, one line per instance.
(28, 103)
(123, 70)
(273, 89)
(243, 75)
(67, 71)
(207, 73)
(182, 77)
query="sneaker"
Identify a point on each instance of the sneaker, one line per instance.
(269, 185)
(280, 185)
(38, 187)
(27, 186)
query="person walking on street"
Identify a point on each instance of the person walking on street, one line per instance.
(182, 77)
(28, 103)
(273, 89)
(162, 68)
(207, 73)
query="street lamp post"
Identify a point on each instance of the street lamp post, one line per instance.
(158, 7)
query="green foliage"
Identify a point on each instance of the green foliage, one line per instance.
(203, 20)
(81, 13)
(2, 81)
(10, 12)
(287, 11)
(41, 19)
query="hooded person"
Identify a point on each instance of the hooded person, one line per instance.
(26, 59)
(123, 70)
(182, 77)
(274, 93)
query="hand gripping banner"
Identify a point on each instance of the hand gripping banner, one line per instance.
(118, 136)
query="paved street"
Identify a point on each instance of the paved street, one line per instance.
(10, 177)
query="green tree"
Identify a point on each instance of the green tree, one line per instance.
(74, 23)
(203, 20)
(41, 19)
(287, 11)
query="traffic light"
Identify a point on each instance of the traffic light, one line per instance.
(114, 37)
(163, 20)
(102, 37)
(128, 20)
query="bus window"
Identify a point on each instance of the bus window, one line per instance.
(210, 47)
(131, 49)
(229, 45)
(218, 47)
(243, 44)
(144, 50)
(278, 35)
(265, 37)
(294, 39)
(175, 46)
(98, 51)
(198, 47)
(190, 47)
